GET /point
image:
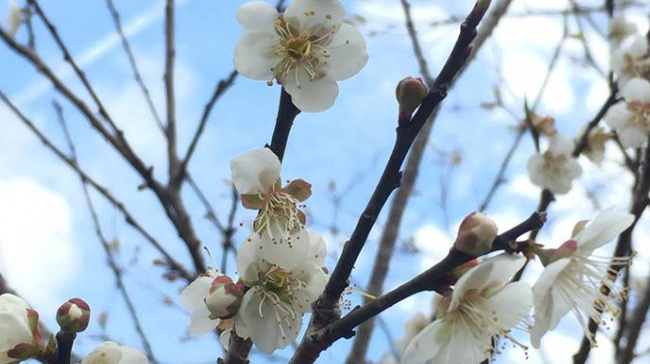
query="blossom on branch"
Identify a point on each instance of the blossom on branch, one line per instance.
(109, 352)
(281, 288)
(482, 305)
(256, 176)
(631, 118)
(18, 329)
(193, 298)
(573, 276)
(556, 168)
(631, 61)
(306, 49)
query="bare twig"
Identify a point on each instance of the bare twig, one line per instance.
(172, 263)
(170, 128)
(132, 62)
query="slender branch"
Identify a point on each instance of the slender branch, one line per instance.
(173, 264)
(117, 272)
(325, 309)
(115, 15)
(238, 350)
(287, 113)
(31, 38)
(500, 177)
(170, 129)
(229, 232)
(64, 342)
(400, 201)
(624, 248)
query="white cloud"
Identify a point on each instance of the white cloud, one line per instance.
(36, 250)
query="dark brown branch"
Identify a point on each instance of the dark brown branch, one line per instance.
(325, 309)
(64, 342)
(238, 350)
(132, 62)
(402, 195)
(170, 129)
(287, 113)
(173, 264)
(117, 272)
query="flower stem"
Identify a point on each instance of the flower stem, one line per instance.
(287, 113)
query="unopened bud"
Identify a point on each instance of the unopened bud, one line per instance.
(73, 316)
(409, 93)
(476, 234)
(224, 297)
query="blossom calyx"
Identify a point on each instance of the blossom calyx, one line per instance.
(476, 234)
(73, 316)
(224, 297)
(409, 93)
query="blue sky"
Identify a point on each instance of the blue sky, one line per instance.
(48, 249)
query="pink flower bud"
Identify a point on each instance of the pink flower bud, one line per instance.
(476, 234)
(224, 297)
(73, 316)
(409, 93)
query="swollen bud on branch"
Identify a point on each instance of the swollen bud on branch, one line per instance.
(19, 334)
(73, 316)
(476, 234)
(409, 93)
(224, 297)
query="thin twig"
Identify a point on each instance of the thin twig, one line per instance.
(170, 129)
(117, 271)
(132, 62)
(172, 263)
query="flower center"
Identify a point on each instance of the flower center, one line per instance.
(635, 66)
(641, 112)
(280, 211)
(298, 50)
(554, 164)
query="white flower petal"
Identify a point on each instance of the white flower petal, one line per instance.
(561, 145)
(257, 15)
(618, 116)
(633, 136)
(317, 248)
(348, 54)
(315, 15)
(518, 297)
(132, 356)
(426, 343)
(311, 96)
(637, 89)
(107, 352)
(548, 308)
(287, 252)
(255, 55)
(200, 322)
(193, 296)
(247, 259)
(607, 225)
(255, 171)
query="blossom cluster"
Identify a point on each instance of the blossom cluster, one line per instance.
(280, 264)
(485, 304)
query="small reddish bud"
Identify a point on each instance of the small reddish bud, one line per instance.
(476, 234)
(224, 297)
(409, 93)
(73, 316)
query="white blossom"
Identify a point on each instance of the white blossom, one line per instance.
(15, 327)
(306, 49)
(412, 327)
(482, 306)
(556, 168)
(572, 278)
(256, 176)
(14, 18)
(620, 28)
(631, 118)
(631, 60)
(109, 352)
(280, 290)
(193, 298)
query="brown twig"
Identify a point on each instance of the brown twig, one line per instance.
(115, 15)
(170, 129)
(172, 263)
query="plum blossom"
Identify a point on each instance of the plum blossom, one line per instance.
(280, 290)
(14, 18)
(256, 176)
(572, 278)
(556, 168)
(306, 49)
(109, 352)
(631, 60)
(193, 298)
(412, 327)
(481, 306)
(631, 118)
(595, 149)
(17, 329)
(620, 28)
